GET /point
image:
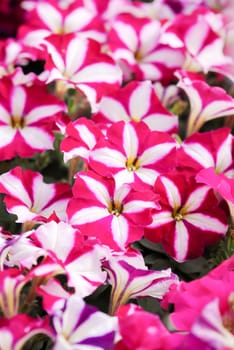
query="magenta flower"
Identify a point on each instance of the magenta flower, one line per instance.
(80, 326)
(205, 150)
(136, 101)
(48, 17)
(220, 183)
(17, 330)
(209, 303)
(31, 199)
(81, 137)
(198, 34)
(132, 153)
(135, 43)
(80, 63)
(26, 119)
(13, 53)
(151, 335)
(206, 102)
(189, 218)
(115, 215)
(53, 295)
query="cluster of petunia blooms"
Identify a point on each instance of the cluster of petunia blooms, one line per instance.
(143, 173)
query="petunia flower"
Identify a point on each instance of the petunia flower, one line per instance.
(129, 281)
(198, 34)
(151, 335)
(135, 43)
(30, 198)
(206, 102)
(81, 326)
(208, 149)
(16, 331)
(66, 251)
(189, 218)
(81, 137)
(136, 101)
(14, 53)
(115, 215)
(80, 63)
(209, 303)
(220, 183)
(48, 17)
(11, 285)
(132, 153)
(26, 119)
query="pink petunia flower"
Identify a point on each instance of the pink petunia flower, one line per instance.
(81, 137)
(11, 285)
(206, 102)
(80, 63)
(115, 215)
(198, 33)
(17, 330)
(189, 218)
(26, 119)
(151, 335)
(30, 198)
(132, 153)
(135, 43)
(66, 251)
(208, 149)
(48, 17)
(136, 101)
(220, 183)
(209, 303)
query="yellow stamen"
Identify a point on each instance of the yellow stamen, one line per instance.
(132, 164)
(17, 122)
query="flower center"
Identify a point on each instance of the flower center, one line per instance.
(132, 164)
(178, 216)
(17, 122)
(228, 317)
(115, 208)
(138, 56)
(228, 321)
